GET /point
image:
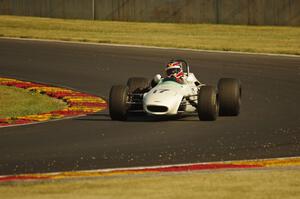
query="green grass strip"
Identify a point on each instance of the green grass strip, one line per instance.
(261, 39)
(250, 184)
(16, 102)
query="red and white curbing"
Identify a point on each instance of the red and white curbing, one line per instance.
(79, 103)
(246, 164)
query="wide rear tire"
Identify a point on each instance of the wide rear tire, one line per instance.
(230, 92)
(207, 103)
(118, 107)
(137, 84)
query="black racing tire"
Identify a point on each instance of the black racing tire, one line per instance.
(230, 94)
(118, 107)
(208, 106)
(138, 84)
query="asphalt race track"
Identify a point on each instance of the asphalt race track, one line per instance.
(269, 124)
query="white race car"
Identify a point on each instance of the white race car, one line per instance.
(166, 97)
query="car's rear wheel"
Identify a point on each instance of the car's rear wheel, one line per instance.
(118, 98)
(207, 103)
(230, 92)
(138, 84)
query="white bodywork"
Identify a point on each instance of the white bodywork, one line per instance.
(167, 96)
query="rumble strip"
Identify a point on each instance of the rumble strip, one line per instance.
(246, 164)
(79, 104)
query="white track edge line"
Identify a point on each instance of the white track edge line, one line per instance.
(153, 167)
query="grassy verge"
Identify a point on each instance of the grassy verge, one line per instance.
(19, 102)
(264, 39)
(256, 184)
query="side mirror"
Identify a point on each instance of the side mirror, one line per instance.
(157, 78)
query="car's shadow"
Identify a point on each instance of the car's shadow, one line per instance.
(139, 117)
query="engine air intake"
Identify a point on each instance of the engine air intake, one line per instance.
(157, 108)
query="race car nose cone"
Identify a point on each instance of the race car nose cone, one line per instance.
(162, 102)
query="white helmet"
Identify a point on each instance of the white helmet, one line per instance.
(174, 69)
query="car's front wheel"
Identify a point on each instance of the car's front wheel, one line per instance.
(208, 106)
(118, 106)
(230, 93)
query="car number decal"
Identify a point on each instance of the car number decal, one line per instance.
(161, 90)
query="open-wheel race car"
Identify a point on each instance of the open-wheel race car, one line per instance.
(168, 96)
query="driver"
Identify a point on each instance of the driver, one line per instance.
(174, 71)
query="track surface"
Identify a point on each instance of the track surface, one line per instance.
(269, 124)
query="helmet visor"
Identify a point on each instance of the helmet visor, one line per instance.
(172, 71)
